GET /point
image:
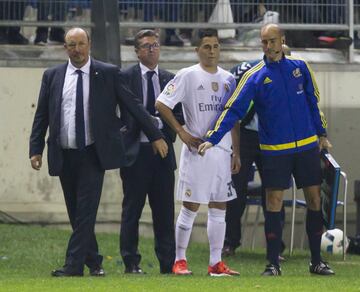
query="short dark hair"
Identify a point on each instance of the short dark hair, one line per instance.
(144, 33)
(208, 32)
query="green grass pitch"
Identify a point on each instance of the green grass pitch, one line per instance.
(29, 253)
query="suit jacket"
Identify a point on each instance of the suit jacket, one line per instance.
(106, 92)
(133, 78)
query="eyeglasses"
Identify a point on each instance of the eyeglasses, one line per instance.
(147, 46)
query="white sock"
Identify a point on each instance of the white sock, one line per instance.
(183, 230)
(216, 233)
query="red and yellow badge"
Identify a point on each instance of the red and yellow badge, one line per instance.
(215, 86)
(297, 73)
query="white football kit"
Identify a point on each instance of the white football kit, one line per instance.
(202, 179)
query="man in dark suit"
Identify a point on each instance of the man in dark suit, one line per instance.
(148, 174)
(77, 102)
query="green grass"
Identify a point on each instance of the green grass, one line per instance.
(29, 253)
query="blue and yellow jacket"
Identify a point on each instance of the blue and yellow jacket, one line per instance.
(285, 96)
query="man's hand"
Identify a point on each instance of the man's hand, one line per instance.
(203, 147)
(235, 164)
(189, 140)
(324, 143)
(160, 146)
(36, 161)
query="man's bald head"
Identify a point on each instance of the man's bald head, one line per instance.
(77, 30)
(77, 45)
(274, 28)
(272, 39)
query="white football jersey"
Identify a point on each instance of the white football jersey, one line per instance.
(203, 96)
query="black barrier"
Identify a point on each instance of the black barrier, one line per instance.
(357, 200)
(105, 33)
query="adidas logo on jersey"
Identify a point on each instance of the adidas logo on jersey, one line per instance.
(201, 87)
(267, 80)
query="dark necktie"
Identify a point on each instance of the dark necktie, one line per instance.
(150, 104)
(79, 113)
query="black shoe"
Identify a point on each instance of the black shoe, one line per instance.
(228, 251)
(130, 41)
(321, 268)
(64, 273)
(40, 39)
(134, 270)
(57, 36)
(271, 270)
(18, 39)
(343, 43)
(97, 272)
(174, 40)
(3, 37)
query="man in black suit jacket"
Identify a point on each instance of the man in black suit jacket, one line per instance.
(78, 102)
(148, 174)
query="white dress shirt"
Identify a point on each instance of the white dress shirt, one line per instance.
(68, 106)
(157, 91)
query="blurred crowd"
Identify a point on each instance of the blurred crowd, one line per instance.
(237, 11)
(47, 10)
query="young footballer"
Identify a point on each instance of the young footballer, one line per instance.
(203, 90)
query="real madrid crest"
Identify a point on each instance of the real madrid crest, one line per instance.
(215, 86)
(169, 89)
(297, 73)
(188, 193)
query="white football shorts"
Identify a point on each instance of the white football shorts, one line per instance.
(204, 179)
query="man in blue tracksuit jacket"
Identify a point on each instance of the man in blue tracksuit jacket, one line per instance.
(250, 153)
(292, 129)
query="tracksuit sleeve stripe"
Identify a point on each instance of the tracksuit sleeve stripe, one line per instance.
(242, 82)
(316, 89)
(323, 119)
(233, 97)
(317, 94)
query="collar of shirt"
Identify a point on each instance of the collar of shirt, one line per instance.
(145, 69)
(272, 63)
(85, 69)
